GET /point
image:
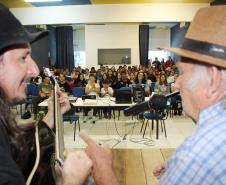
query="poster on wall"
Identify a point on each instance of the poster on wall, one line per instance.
(117, 56)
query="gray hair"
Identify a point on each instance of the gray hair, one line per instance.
(201, 73)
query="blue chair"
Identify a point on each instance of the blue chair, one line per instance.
(157, 116)
(125, 88)
(153, 86)
(78, 91)
(72, 118)
(32, 91)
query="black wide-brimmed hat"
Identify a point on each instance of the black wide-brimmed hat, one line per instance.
(12, 32)
(205, 40)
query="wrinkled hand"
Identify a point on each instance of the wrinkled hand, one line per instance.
(76, 169)
(102, 162)
(159, 170)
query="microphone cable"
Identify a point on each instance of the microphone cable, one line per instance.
(143, 141)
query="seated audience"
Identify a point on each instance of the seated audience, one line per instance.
(111, 76)
(92, 88)
(45, 90)
(162, 86)
(171, 78)
(118, 79)
(104, 77)
(86, 74)
(132, 78)
(106, 91)
(93, 71)
(156, 63)
(98, 75)
(75, 80)
(169, 63)
(141, 80)
(124, 82)
(83, 82)
(64, 86)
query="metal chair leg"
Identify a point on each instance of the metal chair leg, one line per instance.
(157, 129)
(78, 125)
(161, 125)
(74, 130)
(145, 128)
(142, 126)
(164, 127)
(152, 124)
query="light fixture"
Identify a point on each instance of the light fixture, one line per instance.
(40, 1)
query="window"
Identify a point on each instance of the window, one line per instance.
(80, 58)
(160, 54)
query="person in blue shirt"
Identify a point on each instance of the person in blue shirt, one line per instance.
(140, 80)
(201, 159)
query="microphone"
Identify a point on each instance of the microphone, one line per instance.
(172, 94)
(156, 102)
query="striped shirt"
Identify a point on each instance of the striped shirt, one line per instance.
(201, 159)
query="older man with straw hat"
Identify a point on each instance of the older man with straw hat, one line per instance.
(201, 159)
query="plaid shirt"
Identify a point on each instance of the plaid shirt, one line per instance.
(201, 159)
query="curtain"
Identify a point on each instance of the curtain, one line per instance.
(52, 33)
(177, 35)
(64, 47)
(144, 44)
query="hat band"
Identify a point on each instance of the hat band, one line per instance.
(205, 48)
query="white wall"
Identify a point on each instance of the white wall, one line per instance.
(153, 12)
(110, 37)
(159, 38)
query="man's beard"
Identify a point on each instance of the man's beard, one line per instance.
(17, 101)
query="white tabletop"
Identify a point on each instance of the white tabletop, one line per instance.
(100, 102)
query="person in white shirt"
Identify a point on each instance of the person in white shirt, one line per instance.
(92, 88)
(107, 92)
(86, 75)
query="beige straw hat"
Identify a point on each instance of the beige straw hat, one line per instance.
(205, 40)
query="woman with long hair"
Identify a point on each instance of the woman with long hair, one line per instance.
(162, 85)
(103, 78)
(140, 79)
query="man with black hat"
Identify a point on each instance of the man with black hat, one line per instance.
(16, 68)
(201, 159)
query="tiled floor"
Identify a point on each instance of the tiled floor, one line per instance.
(128, 135)
(125, 133)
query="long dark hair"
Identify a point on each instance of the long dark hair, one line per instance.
(143, 80)
(16, 138)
